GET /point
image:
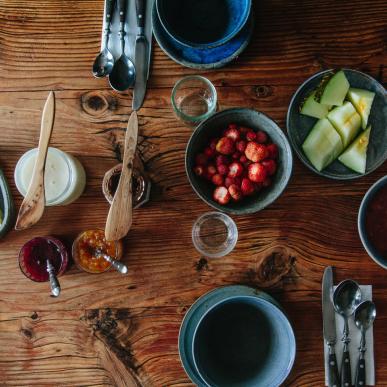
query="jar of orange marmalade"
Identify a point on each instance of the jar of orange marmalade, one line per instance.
(86, 246)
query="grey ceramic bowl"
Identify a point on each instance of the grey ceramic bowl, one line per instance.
(298, 125)
(372, 252)
(212, 127)
(270, 326)
(6, 206)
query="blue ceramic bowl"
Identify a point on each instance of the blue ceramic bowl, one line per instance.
(212, 127)
(202, 23)
(372, 252)
(265, 346)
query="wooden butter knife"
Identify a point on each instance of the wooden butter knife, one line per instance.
(32, 208)
(119, 218)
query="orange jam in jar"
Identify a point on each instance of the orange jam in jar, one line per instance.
(84, 251)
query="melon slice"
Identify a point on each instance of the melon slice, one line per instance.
(312, 108)
(335, 90)
(355, 156)
(362, 101)
(346, 121)
(322, 145)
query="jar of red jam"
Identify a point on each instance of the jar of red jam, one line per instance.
(85, 249)
(34, 255)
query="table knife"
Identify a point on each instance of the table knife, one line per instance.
(329, 325)
(141, 57)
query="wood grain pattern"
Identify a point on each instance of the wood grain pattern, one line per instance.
(111, 330)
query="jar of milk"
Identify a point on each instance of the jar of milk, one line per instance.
(64, 177)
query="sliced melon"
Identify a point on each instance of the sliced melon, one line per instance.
(362, 100)
(335, 90)
(323, 144)
(313, 108)
(346, 121)
(355, 156)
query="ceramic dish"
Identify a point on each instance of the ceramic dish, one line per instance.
(298, 125)
(210, 128)
(6, 206)
(195, 314)
(197, 58)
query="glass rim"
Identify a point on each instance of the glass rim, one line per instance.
(201, 117)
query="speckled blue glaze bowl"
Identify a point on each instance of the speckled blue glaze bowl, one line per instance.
(270, 331)
(372, 252)
(201, 23)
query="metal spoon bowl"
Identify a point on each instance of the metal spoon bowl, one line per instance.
(346, 297)
(103, 63)
(123, 74)
(365, 315)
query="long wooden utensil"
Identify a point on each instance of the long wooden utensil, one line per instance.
(119, 218)
(32, 208)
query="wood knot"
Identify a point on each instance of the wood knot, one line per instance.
(27, 333)
(262, 91)
(96, 104)
(34, 316)
(201, 264)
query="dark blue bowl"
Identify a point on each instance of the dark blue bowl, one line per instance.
(202, 23)
(372, 252)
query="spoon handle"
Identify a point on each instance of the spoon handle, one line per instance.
(346, 379)
(140, 10)
(54, 283)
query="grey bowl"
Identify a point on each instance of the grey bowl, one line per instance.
(6, 206)
(212, 127)
(298, 125)
(372, 252)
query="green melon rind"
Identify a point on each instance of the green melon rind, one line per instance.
(335, 90)
(362, 101)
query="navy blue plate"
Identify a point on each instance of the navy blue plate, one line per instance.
(299, 126)
(196, 58)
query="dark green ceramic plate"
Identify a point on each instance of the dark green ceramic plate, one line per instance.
(298, 125)
(6, 206)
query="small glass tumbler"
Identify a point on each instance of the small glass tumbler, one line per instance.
(214, 234)
(194, 99)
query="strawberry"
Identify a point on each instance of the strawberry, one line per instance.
(241, 145)
(236, 155)
(232, 133)
(243, 131)
(261, 137)
(257, 173)
(222, 159)
(201, 159)
(270, 166)
(266, 182)
(217, 179)
(247, 187)
(211, 170)
(243, 159)
(251, 136)
(272, 150)
(238, 181)
(213, 143)
(256, 152)
(225, 146)
(223, 169)
(236, 169)
(235, 192)
(221, 195)
(209, 152)
(199, 170)
(232, 126)
(228, 181)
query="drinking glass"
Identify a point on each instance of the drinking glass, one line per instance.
(214, 234)
(194, 99)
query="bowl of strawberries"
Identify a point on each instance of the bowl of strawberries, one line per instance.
(238, 161)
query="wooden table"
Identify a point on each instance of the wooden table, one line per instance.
(112, 330)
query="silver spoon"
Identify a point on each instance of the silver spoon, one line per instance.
(104, 62)
(54, 283)
(123, 73)
(346, 298)
(365, 315)
(119, 266)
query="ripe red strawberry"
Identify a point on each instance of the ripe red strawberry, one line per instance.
(221, 195)
(266, 182)
(223, 169)
(257, 173)
(199, 170)
(211, 170)
(236, 169)
(213, 143)
(232, 133)
(241, 145)
(236, 155)
(272, 150)
(201, 159)
(247, 187)
(251, 136)
(235, 192)
(225, 146)
(243, 130)
(270, 166)
(222, 159)
(209, 152)
(238, 181)
(256, 152)
(218, 179)
(232, 126)
(243, 159)
(228, 181)
(261, 137)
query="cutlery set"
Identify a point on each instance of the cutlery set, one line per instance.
(345, 300)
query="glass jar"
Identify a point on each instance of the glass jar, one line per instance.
(64, 178)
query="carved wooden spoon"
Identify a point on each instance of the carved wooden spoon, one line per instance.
(119, 218)
(32, 208)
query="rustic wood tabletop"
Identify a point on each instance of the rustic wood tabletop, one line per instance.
(113, 330)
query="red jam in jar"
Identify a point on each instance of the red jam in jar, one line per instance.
(34, 254)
